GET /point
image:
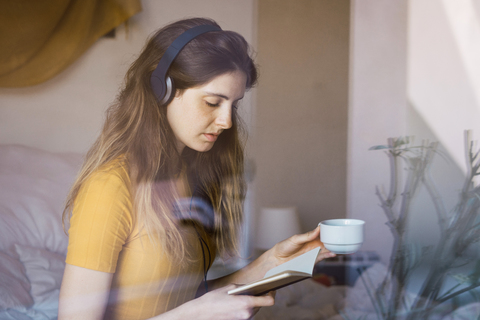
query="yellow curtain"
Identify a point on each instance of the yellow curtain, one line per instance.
(40, 38)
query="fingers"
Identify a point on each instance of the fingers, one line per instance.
(312, 235)
(255, 301)
(265, 300)
(220, 305)
(254, 312)
(229, 287)
(270, 294)
(324, 254)
(273, 294)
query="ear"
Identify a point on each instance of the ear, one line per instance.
(178, 93)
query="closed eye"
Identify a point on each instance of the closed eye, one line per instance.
(212, 104)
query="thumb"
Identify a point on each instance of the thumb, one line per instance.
(308, 236)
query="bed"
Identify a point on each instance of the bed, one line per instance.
(33, 188)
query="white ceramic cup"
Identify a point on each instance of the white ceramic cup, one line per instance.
(342, 236)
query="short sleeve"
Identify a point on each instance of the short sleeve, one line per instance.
(101, 221)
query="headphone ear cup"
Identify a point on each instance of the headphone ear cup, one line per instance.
(170, 91)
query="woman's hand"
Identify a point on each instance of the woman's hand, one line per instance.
(297, 245)
(280, 253)
(218, 304)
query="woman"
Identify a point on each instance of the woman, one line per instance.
(160, 193)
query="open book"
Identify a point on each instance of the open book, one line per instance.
(283, 275)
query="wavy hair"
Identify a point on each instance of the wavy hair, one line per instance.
(136, 129)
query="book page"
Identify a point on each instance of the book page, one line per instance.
(303, 263)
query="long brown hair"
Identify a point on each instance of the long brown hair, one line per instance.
(136, 129)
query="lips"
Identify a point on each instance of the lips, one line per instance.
(211, 136)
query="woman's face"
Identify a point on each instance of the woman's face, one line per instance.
(198, 115)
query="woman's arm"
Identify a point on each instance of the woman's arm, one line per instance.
(84, 293)
(280, 253)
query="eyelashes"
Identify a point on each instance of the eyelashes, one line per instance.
(213, 105)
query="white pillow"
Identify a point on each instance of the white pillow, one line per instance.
(34, 184)
(44, 269)
(14, 285)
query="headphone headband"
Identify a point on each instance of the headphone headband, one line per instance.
(161, 85)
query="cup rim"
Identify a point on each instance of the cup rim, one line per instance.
(357, 222)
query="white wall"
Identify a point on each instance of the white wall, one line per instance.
(377, 108)
(444, 93)
(444, 69)
(66, 112)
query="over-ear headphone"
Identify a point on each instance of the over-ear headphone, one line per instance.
(162, 85)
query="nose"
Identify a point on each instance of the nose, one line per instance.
(224, 117)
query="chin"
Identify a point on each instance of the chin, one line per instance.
(202, 148)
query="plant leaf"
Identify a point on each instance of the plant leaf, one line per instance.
(379, 147)
(461, 278)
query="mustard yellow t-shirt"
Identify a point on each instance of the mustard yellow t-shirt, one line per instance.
(103, 236)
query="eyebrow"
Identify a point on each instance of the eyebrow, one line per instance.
(221, 95)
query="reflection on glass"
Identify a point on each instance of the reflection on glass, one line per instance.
(424, 281)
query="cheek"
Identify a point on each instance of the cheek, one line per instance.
(176, 122)
(187, 118)
(198, 119)
(185, 126)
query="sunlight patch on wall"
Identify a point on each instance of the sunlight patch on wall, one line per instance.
(465, 25)
(443, 80)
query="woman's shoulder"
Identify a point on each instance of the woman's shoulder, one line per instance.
(115, 168)
(107, 187)
(114, 174)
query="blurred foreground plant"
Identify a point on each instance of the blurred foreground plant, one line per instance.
(458, 230)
